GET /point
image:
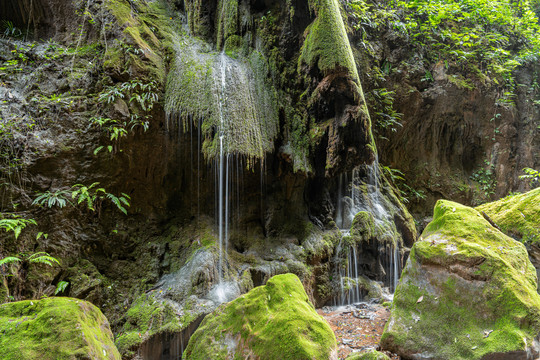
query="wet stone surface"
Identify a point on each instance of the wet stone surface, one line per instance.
(358, 327)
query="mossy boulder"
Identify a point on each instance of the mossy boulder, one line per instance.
(467, 292)
(518, 215)
(54, 329)
(370, 355)
(274, 321)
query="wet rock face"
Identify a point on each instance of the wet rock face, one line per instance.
(449, 134)
(273, 321)
(55, 328)
(467, 291)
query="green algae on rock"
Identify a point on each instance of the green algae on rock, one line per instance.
(370, 355)
(274, 321)
(517, 215)
(55, 329)
(468, 291)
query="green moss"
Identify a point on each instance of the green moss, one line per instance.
(55, 329)
(275, 321)
(464, 278)
(149, 315)
(227, 21)
(327, 45)
(370, 355)
(233, 45)
(518, 215)
(363, 227)
(142, 27)
(196, 86)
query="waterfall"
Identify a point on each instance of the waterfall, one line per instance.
(350, 201)
(223, 176)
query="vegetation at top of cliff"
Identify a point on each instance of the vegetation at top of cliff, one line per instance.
(488, 39)
(496, 35)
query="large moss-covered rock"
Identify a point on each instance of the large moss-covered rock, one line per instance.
(275, 321)
(518, 215)
(467, 292)
(55, 329)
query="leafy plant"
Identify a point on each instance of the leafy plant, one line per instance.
(532, 175)
(20, 262)
(10, 30)
(16, 225)
(50, 199)
(385, 117)
(405, 191)
(92, 196)
(61, 287)
(485, 178)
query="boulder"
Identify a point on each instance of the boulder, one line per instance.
(55, 329)
(517, 215)
(467, 292)
(274, 321)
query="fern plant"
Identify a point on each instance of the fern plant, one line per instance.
(16, 225)
(20, 262)
(61, 287)
(51, 199)
(93, 196)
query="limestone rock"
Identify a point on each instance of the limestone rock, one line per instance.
(275, 321)
(53, 329)
(467, 292)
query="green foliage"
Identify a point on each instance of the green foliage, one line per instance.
(51, 199)
(143, 96)
(35, 258)
(40, 258)
(92, 196)
(485, 177)
(9, 260)
(61, 287)
(20, 262)
(384, 116)
(10, 30)
(532, 175)
(15, 224)
(496, 36)
(406, 192)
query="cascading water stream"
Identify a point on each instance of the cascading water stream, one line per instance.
(351, 201)
(223, 178)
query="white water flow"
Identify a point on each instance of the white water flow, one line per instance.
(222, 178)
(352, 200)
